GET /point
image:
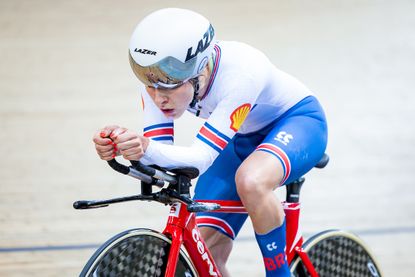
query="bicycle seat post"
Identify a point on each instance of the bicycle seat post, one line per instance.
(293, 190)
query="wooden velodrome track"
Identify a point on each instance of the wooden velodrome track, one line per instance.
(64, 73)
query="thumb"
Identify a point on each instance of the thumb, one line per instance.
(106, 132)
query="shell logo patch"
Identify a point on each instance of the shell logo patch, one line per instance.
(239, 115)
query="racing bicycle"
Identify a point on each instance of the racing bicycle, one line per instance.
(179, 250)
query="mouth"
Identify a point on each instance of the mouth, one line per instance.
(168, 112)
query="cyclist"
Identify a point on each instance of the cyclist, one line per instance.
(263, 127)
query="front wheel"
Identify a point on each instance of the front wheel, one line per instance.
(136, 252)
(337, 253)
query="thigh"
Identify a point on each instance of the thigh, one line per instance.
(260, 172)
(298, 140)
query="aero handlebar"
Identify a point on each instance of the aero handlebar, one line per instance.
(178, 189)
(144, 173)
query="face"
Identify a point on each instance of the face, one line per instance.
(172, 102)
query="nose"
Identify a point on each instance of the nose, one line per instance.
(160, 98)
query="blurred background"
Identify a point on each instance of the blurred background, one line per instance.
(64, 73)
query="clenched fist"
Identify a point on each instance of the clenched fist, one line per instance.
(113, 140)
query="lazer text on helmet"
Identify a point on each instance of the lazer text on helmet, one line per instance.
(202, 44)
(145, 51)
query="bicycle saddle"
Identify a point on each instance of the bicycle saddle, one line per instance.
(323, 161)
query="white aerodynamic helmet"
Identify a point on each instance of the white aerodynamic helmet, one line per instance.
(171, 46)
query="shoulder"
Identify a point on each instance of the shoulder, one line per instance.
(240, 63)
(242, 52)
(238, 58)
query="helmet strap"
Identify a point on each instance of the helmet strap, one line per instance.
(196, 87)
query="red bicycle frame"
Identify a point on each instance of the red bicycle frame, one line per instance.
(181, 227)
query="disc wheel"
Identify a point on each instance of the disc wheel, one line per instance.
(137, 252)
(337, 253)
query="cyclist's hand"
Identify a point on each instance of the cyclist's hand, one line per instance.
(130, 145)
(105, 147)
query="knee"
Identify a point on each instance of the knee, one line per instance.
(249, 183)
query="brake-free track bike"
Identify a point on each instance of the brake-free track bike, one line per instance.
(179, 250)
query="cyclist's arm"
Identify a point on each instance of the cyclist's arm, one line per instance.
(214, 135)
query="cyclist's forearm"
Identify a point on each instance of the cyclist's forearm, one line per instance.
(169, 156)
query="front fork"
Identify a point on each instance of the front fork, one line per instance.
(176, 243)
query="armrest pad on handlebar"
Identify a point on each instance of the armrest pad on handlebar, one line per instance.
(143, 168)
(188, 171)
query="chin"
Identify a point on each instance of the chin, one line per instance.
(178, 114)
